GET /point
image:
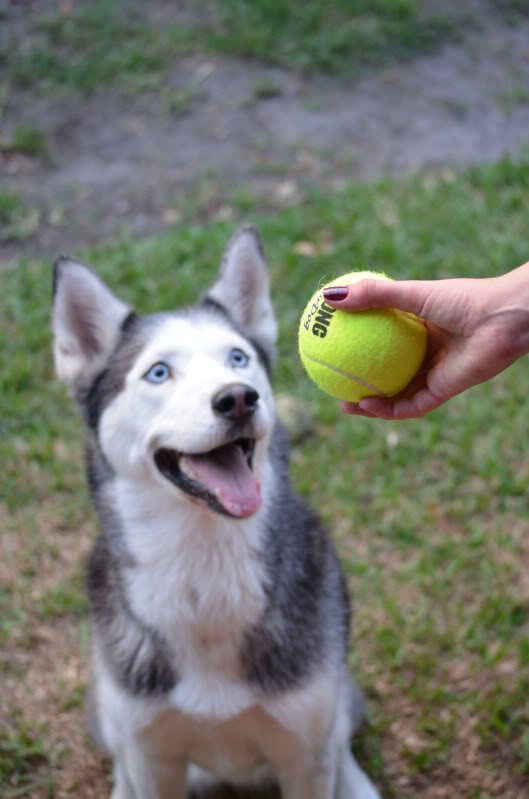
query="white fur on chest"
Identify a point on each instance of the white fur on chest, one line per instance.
(199, 581)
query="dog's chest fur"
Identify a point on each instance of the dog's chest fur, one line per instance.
(203, 586)
(201, 583)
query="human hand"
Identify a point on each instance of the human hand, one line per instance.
(476, 329)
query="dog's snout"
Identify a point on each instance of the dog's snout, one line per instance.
(236, 401)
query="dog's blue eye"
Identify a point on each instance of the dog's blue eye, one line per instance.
(238, 358)
(158, 373)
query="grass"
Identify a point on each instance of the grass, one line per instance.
(28, 140)
(67, 599)
(10, 206)
(22, 758)
(17, 220)
(11, 614)
(343, 37)
(77, 52)
(266, 89)
(430, 516)
(180, 101)
(515, 95)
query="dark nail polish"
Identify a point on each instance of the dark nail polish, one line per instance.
(336, 293)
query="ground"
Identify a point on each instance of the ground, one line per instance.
(431, 519)
(120, 160)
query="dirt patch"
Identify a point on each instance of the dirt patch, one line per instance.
(120, 162)
(45, 663)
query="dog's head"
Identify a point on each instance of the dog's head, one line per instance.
(181, 398)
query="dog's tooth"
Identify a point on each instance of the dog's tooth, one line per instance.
(187, 469)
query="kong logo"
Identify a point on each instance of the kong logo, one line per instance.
(323, 320)
(320, 315)
(312, 312)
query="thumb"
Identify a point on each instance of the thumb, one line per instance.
(406, 295)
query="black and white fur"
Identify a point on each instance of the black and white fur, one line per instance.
(220, 632)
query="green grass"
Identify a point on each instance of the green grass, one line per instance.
(67, 599)
(266, 89)
(515, 95)
(341, 37)
(17, 220)
(11, 614)
(28, 140)
(24, 762)
(431, 516)
(180, 101)
(77, 51)
(10, 207)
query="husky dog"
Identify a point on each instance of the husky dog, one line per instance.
(220, 612)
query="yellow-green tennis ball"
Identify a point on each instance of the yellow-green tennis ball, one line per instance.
(373, 353)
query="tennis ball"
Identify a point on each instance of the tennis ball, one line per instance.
(373, 353)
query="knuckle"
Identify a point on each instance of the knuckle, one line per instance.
(371, 292)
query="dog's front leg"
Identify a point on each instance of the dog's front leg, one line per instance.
(140, 776)
(122, 787)
(308, 786)
(312, 776)
(352, 783)
(318, 781)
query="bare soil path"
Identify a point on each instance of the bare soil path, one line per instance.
(126, 162)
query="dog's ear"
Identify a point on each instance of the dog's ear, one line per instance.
(87, 320)
(242, 289)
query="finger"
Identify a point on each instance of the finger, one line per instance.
(400, 408)
(406, 295)
(413, 402)
(437, 342)
(361, 408)
(353, 409)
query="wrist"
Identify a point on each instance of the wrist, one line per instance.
(509, 306)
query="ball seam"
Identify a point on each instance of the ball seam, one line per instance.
(349, 376)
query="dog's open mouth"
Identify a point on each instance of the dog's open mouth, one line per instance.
(223, 477)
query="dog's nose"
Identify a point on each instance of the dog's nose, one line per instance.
(236, 402)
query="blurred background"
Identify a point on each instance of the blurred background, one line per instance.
(386, 133)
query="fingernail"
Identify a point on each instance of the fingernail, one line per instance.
(336, 293)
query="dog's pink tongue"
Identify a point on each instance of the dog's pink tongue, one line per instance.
(226, 473)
